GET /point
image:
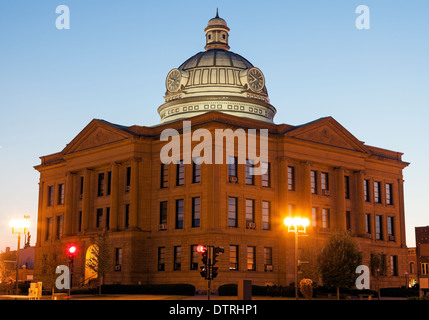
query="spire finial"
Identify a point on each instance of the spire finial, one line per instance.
(217, 12)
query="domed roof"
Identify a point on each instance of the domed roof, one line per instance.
(216, 58)
(216, 79)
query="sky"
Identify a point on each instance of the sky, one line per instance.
(112, 63)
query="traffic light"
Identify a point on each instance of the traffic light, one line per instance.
(203, 272)
(71, 251)
(216, 251)
(203, 250)
(214, 272)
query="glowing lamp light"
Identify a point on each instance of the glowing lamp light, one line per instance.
(19, 226)
(296, 222)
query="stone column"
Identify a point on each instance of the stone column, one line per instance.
(86, 200)
(401, 221)
(69, 204)
(360, 203)
(283, 186)
(306, 189)
(340, 200)
(134, 194)
(40, 214)
(114, 197)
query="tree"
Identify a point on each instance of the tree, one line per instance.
(51, 258)
(100, 258)
(378, 266)
(338, 261)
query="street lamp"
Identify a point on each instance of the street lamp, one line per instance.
(296, 225)
(18, 227)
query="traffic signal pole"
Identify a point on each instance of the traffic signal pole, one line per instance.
(209, 271)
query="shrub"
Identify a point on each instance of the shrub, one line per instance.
(398, 292)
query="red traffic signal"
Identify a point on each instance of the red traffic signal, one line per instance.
(201, 249)
(71, 250)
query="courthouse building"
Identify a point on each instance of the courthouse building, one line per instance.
(110, 179)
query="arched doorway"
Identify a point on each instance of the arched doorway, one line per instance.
(90, 259)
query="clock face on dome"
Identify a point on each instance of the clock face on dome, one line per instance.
(173, 80)
(255, 79)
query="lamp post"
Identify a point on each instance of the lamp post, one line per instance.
(297, 226)
(18, 227)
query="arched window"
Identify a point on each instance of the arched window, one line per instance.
(91, 263)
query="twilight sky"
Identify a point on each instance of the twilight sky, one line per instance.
(112, 63)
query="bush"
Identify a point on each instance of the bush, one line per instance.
(228, 290)
(398, 292)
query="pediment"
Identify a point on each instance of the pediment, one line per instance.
(327, 131)
(96, 134)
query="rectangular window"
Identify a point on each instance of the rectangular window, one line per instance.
(109, 183)
(48, 228)
(164, 175)
(163, 214)
(127, 216)
(161, 258)
(180, 173)
(81, 188)
(368, 223)
(424, 268)
(377, 195)
(100, 189)
(196, 212)
(107, 224)
(233, 257)
(232, 166)
(314, 182)
(194, 257)
(266, 215)
(391, 228)
(379, 227)
(118, 256)
(266, 176)
(61, 194)
(99, 221)
(79, 222)
(325, 218)
(347, 187)
(251, 259)
(59, 227)
(232, 212)
(128, 179)
(314, 216)
(324, 181)
(348, 221)
(268, 259)
(177, 258)
(250, 210)
(179, 214)
(394, 265)
(50, 196)
(250, 178)
(366, 190)
(291, 178)
(196, 170)
(389, 198)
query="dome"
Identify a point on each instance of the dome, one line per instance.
(216, 79)
(216, 58)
